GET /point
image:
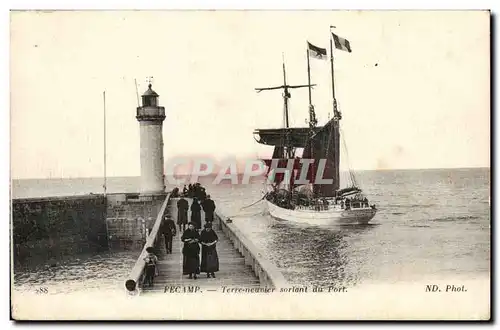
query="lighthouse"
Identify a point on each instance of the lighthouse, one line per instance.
(151, 116)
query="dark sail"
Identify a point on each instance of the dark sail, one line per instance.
(278, 152)
(324, 145)
(297, 136)
(281, 164)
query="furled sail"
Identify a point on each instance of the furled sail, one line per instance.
(295, 137)
(348, 191)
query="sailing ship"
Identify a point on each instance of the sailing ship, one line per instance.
(306, 189)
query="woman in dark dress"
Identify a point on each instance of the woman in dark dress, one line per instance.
(182, 213)
(191, 251)
(196, 213)
(209, 257)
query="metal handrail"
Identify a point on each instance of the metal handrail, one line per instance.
(136, 275)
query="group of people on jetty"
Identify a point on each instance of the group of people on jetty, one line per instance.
(193, 236)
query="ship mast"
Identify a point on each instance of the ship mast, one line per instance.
(286, 96)
(337, 116)
(289, 150)
(312, 117)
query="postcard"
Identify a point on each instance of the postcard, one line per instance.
(250, 165)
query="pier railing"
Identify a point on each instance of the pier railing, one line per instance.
(268, 274)
(137, 274)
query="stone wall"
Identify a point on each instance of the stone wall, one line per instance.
(50, 229)
(130, 218)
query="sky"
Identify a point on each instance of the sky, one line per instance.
(414, 92)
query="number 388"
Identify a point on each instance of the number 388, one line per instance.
(42, 290)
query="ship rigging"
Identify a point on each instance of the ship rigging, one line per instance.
(310, 191)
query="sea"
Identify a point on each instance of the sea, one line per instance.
(431, 224)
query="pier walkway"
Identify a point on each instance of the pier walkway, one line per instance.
(232, 268)
(241, 263)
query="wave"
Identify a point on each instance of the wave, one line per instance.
(415, 205)
(455, 218)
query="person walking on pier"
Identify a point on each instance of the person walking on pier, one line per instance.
(151, 269)
(196, 214)
(209, 257)
(182, 214)
(203, 194)
(191, 252)
(168, 231)
(209, 208)
(197, 190)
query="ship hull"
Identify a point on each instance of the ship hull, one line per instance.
(334, 216)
